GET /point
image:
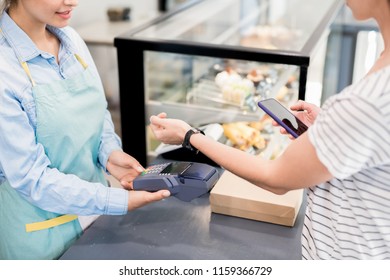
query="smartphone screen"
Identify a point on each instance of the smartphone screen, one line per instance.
(283, 116)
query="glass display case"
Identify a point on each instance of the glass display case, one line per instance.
(212, 62)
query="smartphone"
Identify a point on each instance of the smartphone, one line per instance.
(283, 116)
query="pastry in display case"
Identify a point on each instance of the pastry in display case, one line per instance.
(212, 62)
(235, 89)
(241, 84)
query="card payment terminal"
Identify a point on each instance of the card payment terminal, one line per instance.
(184, 180)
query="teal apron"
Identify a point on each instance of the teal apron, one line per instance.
(70, 117)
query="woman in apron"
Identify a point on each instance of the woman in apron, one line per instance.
(56, 135)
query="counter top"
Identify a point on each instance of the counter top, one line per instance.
(173, 229)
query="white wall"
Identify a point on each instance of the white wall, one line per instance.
(90, 10)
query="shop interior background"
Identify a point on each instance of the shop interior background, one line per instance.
(90, 19)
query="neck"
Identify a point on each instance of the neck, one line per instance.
(383, 20)
(382, 17)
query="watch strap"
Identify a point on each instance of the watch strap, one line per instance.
(186, 142)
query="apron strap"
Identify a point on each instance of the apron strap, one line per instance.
(50, 223)
(82, 62)
(27, 70)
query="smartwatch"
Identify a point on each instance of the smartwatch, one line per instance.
(186, 142)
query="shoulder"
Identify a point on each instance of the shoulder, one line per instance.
(13, 81)
(374, 86)
(365, 99)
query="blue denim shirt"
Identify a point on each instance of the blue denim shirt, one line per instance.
(23, 161)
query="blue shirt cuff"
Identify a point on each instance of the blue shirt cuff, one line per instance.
(117, 201)
(105, 152)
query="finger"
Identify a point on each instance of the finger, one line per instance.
(155, 120)
(125, 160)
(161, 194)
(274, 123)
(283, 130)
(140, 198)
(149, 197)
(136, 165)
(162, 115)
(300, 105)
(127, 185)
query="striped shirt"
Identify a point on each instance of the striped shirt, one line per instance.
(349, 216)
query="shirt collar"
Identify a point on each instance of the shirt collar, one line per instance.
(21, 43)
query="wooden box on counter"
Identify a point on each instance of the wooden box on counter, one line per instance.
(237, 197)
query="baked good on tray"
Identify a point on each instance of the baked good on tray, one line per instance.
(234, 88)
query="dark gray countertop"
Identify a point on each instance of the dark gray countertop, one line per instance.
(175, 230)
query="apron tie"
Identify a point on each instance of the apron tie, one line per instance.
(50, 223)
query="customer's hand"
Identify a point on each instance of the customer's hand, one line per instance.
(168, 131)
(124, 168)
(305, 112)
(141, 198)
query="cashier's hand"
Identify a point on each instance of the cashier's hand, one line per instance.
(138, 199)
(305, 112)
(124, 168)
(168, 131)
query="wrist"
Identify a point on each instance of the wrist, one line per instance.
(187, 137)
